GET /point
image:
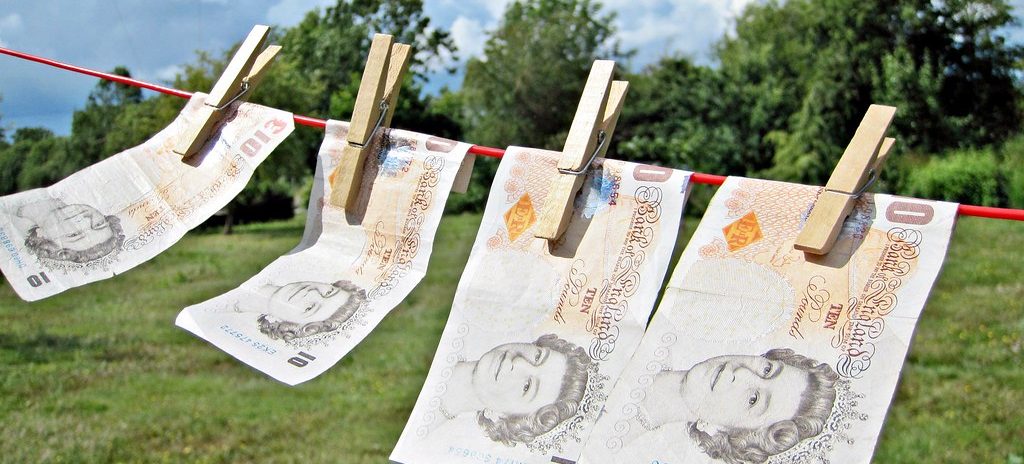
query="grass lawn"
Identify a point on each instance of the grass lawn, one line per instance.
(101, 374)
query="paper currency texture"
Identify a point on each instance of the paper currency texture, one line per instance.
(126, 209)
(538, 333)
(307, 309)
(760, 353)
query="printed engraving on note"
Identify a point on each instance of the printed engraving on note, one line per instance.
(307, 309)
(759, 353)
(538, 332)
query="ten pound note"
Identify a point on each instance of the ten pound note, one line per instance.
(760, 353)
(126, 209)
(538, 333)
(307, 309)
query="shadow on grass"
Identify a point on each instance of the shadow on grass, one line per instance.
(42, 348)
(272, 229)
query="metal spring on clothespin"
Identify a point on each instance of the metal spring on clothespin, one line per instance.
(243, 72)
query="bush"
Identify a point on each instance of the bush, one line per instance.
(1013, 167)
(1015, 185)
(965, 176)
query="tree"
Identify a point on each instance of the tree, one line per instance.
(331, 46)
(327, 52)
(35, 158)
(525, 88)
(806, 70)
(136, 123)
(91, 125)
(3, 134)
(678, 116)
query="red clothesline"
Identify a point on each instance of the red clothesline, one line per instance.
(700, 178)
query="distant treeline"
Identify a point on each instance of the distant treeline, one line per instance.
(780, 99)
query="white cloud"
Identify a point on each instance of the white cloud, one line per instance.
(495, 7)
(8, 25)
(657, 28)
(468, 35)
(728, 10)
(168, 73)
(632, 4)
(160, 75)
(290, 12)
(10, 22)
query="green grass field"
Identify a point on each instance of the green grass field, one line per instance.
(101, 374)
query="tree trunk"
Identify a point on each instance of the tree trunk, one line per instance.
(229, 222)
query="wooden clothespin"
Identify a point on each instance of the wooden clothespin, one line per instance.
(854, 173)
(589, 137)
(375, 105)
(240, 77)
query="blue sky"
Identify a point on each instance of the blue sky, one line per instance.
(153, 38)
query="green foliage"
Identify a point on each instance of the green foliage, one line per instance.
(331, 46)
(793, 82)
(35, 158)
(1012, 167)
(3, 133)
(1015, 185)
(964, 176)
(805, 71)
(525, 88)
(136, 123)
(91, 125)
(675, 115)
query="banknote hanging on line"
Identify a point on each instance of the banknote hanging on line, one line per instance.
(760, 353)
(539, 331)
(306, 310)
(124, 210)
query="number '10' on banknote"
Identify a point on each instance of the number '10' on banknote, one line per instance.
(760, 353)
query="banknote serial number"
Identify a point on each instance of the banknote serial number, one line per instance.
(616, 182)
(481, 456)
(8, 245)
(254, 344)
